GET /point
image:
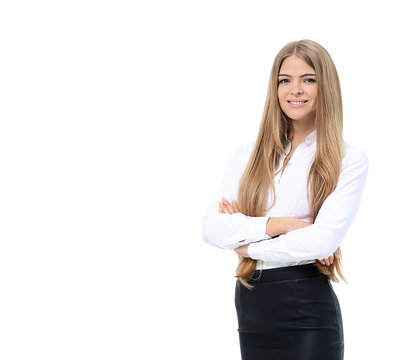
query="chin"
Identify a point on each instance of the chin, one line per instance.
(300, 117)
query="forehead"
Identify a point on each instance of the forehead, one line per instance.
(293, 65)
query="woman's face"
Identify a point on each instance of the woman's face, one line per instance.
(297, 89)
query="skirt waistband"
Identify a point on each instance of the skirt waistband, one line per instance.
(286, 273)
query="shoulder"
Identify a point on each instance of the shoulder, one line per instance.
(354, 157)
(241, 154)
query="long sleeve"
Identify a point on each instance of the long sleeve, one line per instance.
(231, 231)
(321, 239)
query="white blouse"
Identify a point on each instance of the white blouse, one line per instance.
(302, 246)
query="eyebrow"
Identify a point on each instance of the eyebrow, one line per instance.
(304, 75)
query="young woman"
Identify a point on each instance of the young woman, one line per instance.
(285, 205)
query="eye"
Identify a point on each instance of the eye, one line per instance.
(309, 80)
(284, 81)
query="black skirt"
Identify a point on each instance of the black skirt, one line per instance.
(291, 313)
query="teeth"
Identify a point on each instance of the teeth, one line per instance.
(297, 102)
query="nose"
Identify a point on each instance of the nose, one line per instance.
(296, 89)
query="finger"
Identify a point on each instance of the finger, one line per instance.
(228, 205)
(321, 261)
(226, 209)
(337, 253)
(235, 205)
(331, 258)
(223, 208)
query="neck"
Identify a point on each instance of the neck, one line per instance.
(301, 130)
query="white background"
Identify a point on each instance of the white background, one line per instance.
(117, 122)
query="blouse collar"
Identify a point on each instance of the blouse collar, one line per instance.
(310, 139)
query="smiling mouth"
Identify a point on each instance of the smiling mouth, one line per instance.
(297, 102)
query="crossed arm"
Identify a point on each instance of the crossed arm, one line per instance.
(283, 239)
(275, 226)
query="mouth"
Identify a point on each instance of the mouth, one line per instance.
(297, 102)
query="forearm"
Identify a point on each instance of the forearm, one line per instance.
(230, 231)
(283, 224)
(310, 243)
(336, 214)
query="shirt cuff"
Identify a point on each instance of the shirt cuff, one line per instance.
(252, 251)
(257, 228)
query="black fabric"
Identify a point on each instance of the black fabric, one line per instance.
(292, 313)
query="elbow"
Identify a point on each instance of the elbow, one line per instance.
(215, 241)
(214, 233)
(207, 238)
(328, 245)
(324, 252)
(319, 245)
(225, 231)
(210, 233)
(205, 232)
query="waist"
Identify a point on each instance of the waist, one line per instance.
(285, 273)
(262, 265)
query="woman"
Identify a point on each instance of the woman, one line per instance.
(284, 205)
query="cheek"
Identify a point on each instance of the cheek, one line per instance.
(314, 101)
(280, 96)
(315, 94)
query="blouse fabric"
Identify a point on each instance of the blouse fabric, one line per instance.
(301, 246)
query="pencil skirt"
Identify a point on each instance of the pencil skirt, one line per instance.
(291, 313)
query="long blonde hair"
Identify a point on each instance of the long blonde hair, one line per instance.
(269, 147)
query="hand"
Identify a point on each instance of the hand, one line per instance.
(227, 208)
(329, 261)
(283, 224)
(242, 250)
